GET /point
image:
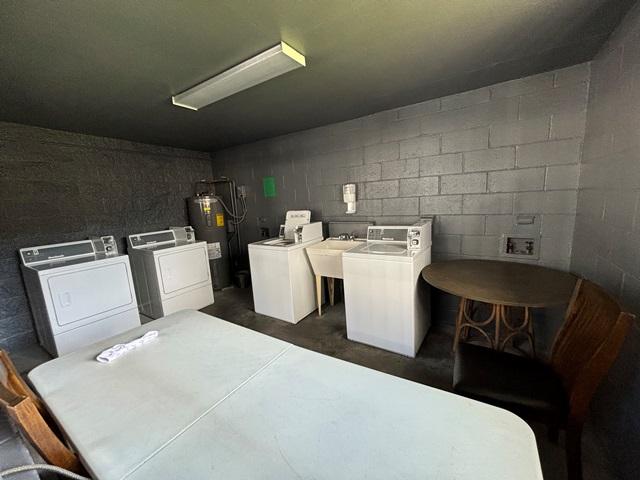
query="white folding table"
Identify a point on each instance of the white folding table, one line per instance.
(211, 400)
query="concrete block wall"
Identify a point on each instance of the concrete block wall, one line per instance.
(606, 245)
(58, 187)
(476, 160)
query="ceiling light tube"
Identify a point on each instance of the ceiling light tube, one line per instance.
(264, 66)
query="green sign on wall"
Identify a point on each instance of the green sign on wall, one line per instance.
(269, 186)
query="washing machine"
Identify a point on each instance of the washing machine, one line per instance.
(281, 275)
(80, 292)
(170, 271)
(386, 302)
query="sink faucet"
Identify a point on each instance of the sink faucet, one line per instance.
(346, 236)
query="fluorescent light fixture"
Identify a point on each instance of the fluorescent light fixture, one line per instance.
(264, 66)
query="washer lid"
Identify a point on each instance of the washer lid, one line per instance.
(385, 248)
(380, 250)
(277, 244)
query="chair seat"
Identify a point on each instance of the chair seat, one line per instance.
(524, 386)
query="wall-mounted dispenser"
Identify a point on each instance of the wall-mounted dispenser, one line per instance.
(349, 196)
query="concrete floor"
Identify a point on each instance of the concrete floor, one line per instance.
(432, 366)
(328, 335)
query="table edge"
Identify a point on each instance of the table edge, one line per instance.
(508, 304)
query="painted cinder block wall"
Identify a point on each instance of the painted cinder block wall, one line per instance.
(58, 187)
(475, 160)
(607, 234)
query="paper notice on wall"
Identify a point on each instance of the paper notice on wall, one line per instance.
(214, 250)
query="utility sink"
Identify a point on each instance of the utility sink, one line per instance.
(326, 257)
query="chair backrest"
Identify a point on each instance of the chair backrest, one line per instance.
(31, 417)
(588, 343)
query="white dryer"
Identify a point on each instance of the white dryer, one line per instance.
(80, 293)
(170, 271)
(386, 303)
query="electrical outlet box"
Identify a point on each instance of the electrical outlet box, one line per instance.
(520, 246)
(242, 191)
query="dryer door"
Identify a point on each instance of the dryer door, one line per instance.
(82, 294)
(183, 268)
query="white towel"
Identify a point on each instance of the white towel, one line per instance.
(110, 354)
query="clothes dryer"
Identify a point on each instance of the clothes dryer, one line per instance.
(80, 293)
(170, 271)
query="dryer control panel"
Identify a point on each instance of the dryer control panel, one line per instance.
(419, 235)
(387, 234)
(106, 245)
(415, 237)
(150, 239)
(184, 234)
(57, 252)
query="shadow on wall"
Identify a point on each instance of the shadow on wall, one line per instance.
(61, 187)
(606, 242)
(615, 409)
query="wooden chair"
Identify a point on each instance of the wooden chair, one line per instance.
(31, 417)
(557, 393)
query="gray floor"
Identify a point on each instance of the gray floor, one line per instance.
(327, 335)
(13, 451)
(433, 365)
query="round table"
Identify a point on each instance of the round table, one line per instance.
(502, 285)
